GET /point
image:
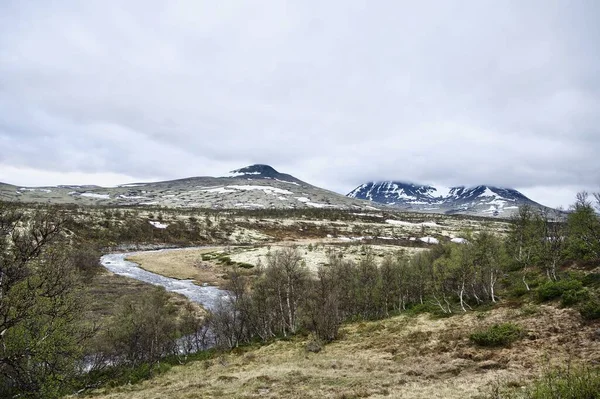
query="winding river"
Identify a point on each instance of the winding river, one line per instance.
(207, 296)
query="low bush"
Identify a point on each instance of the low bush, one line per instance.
(555, 289)
(591, 280)
(497, 335)
(565, 383)
(421, 308)
(590, 310)
(572, 297)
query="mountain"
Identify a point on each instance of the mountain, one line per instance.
(255, 186)
(479, 200)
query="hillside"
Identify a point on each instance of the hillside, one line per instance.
(255, 186)
(401, 357)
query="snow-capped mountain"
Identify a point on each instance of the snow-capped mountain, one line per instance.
(479, 200)
(255, 186)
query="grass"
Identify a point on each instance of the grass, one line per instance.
(400, 357)
(186, 264)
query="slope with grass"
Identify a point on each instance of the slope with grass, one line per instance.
(401, 357)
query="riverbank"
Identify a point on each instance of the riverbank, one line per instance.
(207, 296)
(184, 264)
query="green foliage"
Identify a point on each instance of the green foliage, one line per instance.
(528, 310)
(41, 304)
(143, 330)
(497, 335)
(421, 308)
(562, 383)
(583, 230)
(591, 280)
(555, 289)
(590, 310)
(572, 297)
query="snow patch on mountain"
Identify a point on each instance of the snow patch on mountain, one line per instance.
(94, 195)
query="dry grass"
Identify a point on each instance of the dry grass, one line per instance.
(107, 289)
(400, 357)
(183, 265)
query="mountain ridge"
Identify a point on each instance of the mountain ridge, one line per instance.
(262, 186)
(255, 186)
(485, 200)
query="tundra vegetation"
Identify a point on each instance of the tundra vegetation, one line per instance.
(59, 334)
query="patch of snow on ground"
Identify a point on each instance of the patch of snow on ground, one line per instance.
(367, 214)
(429, 240)
(308, 202)
(459, 240)
(131, 185)
(399, 222)
(42, 190)
(94, 195)
(288, 182)
(238, 174)
(317, 205)
(158, 225)
(132, 197)
(220, 190)
(430, 224)
(266, 189)
(249, 205)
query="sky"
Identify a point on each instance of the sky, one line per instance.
(336, 93)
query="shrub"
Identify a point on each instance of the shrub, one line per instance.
(421, 308)
(565, 383)
(528, 310)
(555, 289)
(571, 297)
(591, 280)
(590, 310)
(497, 335)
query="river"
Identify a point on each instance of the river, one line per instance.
(207, 296)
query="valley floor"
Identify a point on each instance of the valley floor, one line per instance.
(400, 357)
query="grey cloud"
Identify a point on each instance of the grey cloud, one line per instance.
(461, 92)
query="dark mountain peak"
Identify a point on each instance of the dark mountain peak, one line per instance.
(257, 169)
(261, 171)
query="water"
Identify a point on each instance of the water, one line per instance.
(207, 296)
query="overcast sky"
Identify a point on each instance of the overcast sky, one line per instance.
(336, 93)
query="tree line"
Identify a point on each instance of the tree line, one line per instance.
(285, 297)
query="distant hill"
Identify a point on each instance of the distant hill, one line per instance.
(479, 200)
(255, 186)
